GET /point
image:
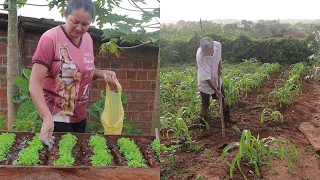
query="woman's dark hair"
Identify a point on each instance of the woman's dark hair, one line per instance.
(86, 5)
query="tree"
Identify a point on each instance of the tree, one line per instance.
(12, 56)
(125, 30)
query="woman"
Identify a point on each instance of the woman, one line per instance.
(67, 67)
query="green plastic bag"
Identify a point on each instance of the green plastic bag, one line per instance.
(113, 113)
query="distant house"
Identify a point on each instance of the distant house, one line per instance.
(136, 69)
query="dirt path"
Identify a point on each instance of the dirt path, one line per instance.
(305, 107)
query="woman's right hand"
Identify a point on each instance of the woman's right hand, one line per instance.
(47, 128)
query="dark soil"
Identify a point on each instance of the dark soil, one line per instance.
(20, 143)
(82, 151)
(246, 111)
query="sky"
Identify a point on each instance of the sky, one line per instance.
(189, 10)
(43, 12)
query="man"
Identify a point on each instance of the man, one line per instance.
(209, 74)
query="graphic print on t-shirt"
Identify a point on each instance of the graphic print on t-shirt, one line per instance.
(68, 83)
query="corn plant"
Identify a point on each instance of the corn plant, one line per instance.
(286, 90)
(258, 152)
(269, 114)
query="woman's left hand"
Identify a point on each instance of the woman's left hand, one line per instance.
(110, 76)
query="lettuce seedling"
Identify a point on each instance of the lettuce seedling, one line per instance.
(66, 144)
(155, 146)
(101, 153)
(30, 155)
(6, 142)
(131, 152)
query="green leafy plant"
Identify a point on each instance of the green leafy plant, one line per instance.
(66, 144)
(101, 153)
(3, 123)
(128, 129)
(28, 118)
(155, 146)
(6, 142)
(269, 114)
(30, 155)
(131, 152)
(285, 91)
(258, 152)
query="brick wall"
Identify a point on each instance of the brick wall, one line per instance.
(136, 70)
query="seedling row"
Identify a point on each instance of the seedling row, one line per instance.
(25, 149)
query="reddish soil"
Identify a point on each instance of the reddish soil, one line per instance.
(246, 111)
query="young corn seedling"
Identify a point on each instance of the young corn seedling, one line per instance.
(258, 152)
(269, 114)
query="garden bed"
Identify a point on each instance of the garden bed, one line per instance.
(82, 166)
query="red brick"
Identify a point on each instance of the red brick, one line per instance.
(150, 96)
(28, 61)
(94, 85)
(151, 106)
(143, 106)
(102, 85)
(155, 64)
(124, 84)
(130, 95)
(3, 42)
(133, 106)
(142, 75)
(3, 92)
(126, 64)
(132, 75)
(147, 64)
(4, 60)
(135, 85)
(4, 103)
(104, 63)
(121, 74)
(152, 75)
(153, 85)
(137, 64)
(115, 63)
(3, 32)
(146, 85)
(3, 50)
(146, 116)
(140, 96)
(32, 50)
(136, 116)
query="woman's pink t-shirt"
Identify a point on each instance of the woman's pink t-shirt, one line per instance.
(70, 71)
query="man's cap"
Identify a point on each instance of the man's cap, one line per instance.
(206, 44)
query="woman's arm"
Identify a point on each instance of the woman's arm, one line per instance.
(38, 73)
(109, 76)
